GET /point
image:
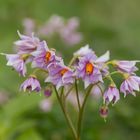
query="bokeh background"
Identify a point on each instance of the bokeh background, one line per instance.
(105, 25)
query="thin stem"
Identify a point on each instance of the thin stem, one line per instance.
(77, 95)
(115, 72)
(72, 60)
(39, 69)
(62, 98)
(80, 117)
(70, 124)
(61, 94)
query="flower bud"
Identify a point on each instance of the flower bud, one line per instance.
(103, 112)
(47, 92)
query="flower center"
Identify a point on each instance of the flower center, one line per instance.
(24, 57)
(63, 71)
(89, 68)
(47, 56)
(126, 75)
(29, 87)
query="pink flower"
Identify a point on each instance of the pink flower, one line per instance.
(89, 68)
(27, 44)
(126, 66)
(130, 85)
(60, 75)
(88, 71)
(17, 62)
(43, 56)
(31, 84)
(111, 95)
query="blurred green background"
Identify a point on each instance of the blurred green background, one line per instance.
(106, 25)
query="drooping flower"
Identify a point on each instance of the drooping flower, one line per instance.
(111, 95)
(130, 85)
(27, 44)
(18, 62)
(60, 75)
(90, 66)
(43, 56)
(125, 66)
(31, 84)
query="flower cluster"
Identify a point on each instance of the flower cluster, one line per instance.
(66, 29)
(85, 66)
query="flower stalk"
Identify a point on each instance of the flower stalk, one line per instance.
(69, 122)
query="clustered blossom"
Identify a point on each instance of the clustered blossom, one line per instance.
(85, 66)
(66, 29)
(31, 49)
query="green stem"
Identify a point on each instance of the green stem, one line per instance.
(69, 122)
(77, 95)
(80, 117)
(72, 60)
(115, 72)
(61, 94)
(39, 69)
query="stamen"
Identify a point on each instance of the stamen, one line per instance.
(47, 56)
(89, 68)
(63, 71)
(24, 57)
